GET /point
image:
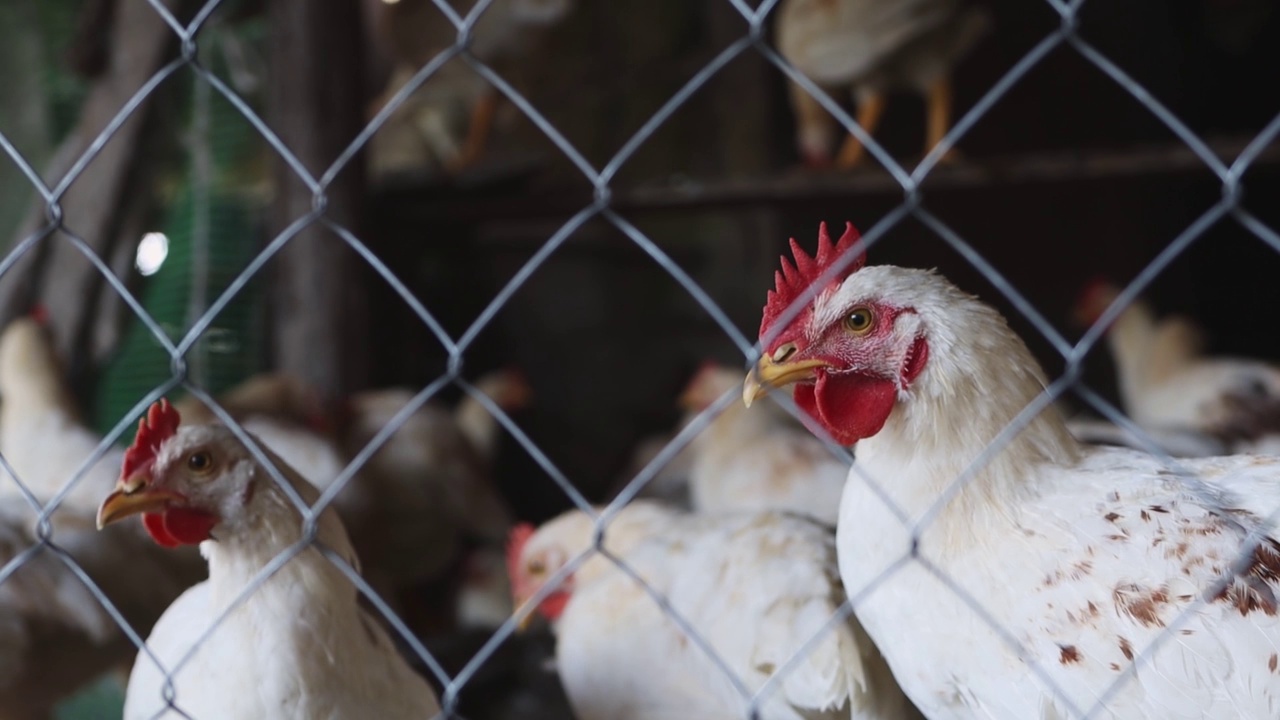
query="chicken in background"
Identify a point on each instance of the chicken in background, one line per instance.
(1168, 383)
(433, 476)
(755, 586)
(288, 417)
(299, 645)
(1175, 443)
(55, 636)
(445, 125)
(1049, 573)
(875, 46)
(758, 460)
(670, 483)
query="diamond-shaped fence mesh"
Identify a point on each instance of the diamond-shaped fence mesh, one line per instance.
(1036, 678)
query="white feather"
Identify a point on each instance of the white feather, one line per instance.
(756, 586)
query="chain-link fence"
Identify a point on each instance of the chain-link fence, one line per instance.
(602, 207)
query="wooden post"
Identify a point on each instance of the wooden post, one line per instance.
(314, 100)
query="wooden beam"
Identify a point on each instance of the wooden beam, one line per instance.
(314, 101)
(792, 187)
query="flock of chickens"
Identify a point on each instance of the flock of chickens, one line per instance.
(982, 557)
(868, 48)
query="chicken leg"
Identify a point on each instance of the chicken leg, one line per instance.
(815, 128)
(478, 130)
(938, 119)
(870, 108)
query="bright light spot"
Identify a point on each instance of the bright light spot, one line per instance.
(152, 251)
(391, 2)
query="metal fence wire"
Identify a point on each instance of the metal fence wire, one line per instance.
(753, 40)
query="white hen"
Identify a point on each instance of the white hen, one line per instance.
(758, 460)
(1083, 558)
(447, 121)
(55, 635)
(299, 646)
(875, 46)
(756, 586)
(1167, 382)
(438, 505)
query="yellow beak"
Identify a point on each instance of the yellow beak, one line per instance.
(767, 375)
(131, 497)
(523, 622)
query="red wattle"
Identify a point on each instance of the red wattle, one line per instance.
(179, 526)
(154, 523)
(853, 406)
(189, 526)
(552, 607)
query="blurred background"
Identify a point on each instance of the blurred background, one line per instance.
(1067, 177)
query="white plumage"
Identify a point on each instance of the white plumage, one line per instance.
(756, 586)
(299, 646)
(1084, 557)
(758, 460)
(1167, 382)
(445, 123)
(874, 46)
(55, 635)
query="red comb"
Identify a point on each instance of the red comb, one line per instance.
(516, 541)
(1094, 298)
(40, 313)
(160, 424)
(1097, 284)
(707, 367)
(518, 393)
(792, 280)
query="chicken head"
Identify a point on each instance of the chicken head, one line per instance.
(852, 349)
(186, 482)
(534, 557)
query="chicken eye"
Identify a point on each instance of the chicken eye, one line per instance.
(537, 567)
(859, 320)
(200, 463)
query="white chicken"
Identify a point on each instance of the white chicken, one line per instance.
(1167, 382)
(437, 501)
(756, 587)
(1064, 565)
(299, 645)
(448, 120)
(55, 636)
(875, 46)
(758, 460)
(670, 483)
(288, 416)
(1175, 443)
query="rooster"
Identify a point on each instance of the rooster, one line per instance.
(756, 586)
(761, 460)
(55, 635)
(875, 46)
(299, 645)
(1167, 382)
(1063, 564)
